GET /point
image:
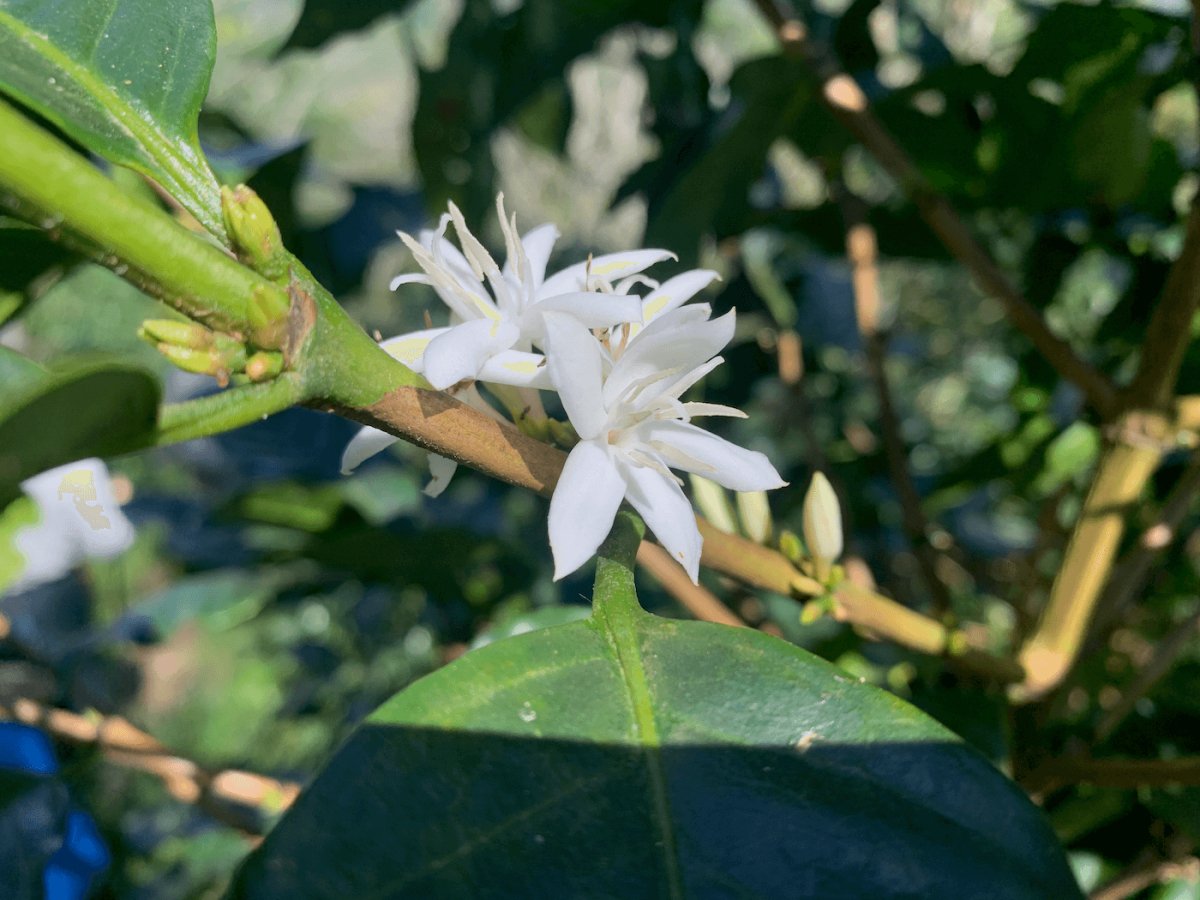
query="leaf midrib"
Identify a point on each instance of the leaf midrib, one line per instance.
(621, 628)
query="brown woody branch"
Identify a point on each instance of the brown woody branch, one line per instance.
(440, 423)
(863, 253)
(696, 599)
(1122, 774)
(237, 798)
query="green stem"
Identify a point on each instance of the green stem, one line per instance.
(614, 598)
(199, 279)
(217, 413)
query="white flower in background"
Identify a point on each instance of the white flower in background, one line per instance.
(78, 517)
(624, 403)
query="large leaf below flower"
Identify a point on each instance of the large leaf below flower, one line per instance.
(125, 78)
(46, 420)
(631, 756)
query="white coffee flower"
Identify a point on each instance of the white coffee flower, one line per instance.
(493, 333)
(497, 314)
(623, 400)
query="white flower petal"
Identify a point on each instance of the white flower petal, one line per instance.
(682, 339)
(538, 243)
(725, 463)
(363, 446)
(595, 310)
(575, 360)
(675, 292)
(464, 349)
(517, 368)
(711, 409)
(417, 278)
(410, 348)
(583, 507)
(464, 294)
(449, 256)
(660, 501)
(441, 470)
(607, 268)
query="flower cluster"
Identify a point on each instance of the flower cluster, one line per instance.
(619, 361)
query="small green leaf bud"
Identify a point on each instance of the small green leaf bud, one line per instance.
(176, 333)
(268, 315)
(264, 365)
(790, 546)
(255, 235)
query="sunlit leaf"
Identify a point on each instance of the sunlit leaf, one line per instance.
(125, 78)
(633, 756)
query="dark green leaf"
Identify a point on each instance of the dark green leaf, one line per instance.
(125, 78)
(632, 756)
(704, 189)
(96, 409)
(495, 65)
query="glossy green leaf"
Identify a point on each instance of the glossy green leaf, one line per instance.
(97, 409)
(125, 78)
(632, 756)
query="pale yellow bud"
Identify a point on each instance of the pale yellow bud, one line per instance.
(713, 502)
(755, 513)
(822, 525)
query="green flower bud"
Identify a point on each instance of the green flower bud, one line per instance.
(264, 365)
(176, 333)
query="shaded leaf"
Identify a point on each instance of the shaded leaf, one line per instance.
(125, 78)
(633, 756)
(95, 409)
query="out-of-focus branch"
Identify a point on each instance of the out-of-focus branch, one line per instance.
(237, 798)
(1146, 873)
(1164, 657)
(1139, 438)
(696, 599)
(863, 253)
(1053, 646)
(849, 105)
(1124, 774)
(1131, 571)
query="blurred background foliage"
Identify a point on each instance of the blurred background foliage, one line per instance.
(268, 603)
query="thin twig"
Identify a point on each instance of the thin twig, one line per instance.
(235, 797)
(849, 105)
(1123, 774)
(863, 253)
(1147, 873)
(1130, 572)
(696, 599)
